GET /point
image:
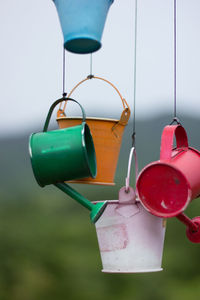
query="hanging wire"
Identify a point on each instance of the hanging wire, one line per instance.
(133, 149)
(91, 64)
(175, 118)
(135, 76)
(174, 58)
(90, 76)
(64, 93)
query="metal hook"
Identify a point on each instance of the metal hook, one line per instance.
(175, 120)
(90, 76)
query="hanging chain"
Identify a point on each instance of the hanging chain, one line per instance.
(135, 76)
(64, 93)
(175, 118)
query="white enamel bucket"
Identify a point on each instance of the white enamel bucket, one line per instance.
(130, 238)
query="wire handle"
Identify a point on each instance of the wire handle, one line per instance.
(127, 181)
(61, 110)
(46, 124)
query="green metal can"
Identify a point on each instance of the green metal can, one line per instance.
(64, 154)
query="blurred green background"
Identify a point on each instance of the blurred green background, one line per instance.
(48, 247)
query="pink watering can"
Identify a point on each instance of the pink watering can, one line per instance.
(167, 186)
(130, 239)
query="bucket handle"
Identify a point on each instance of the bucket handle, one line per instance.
(127, 195)
(127, 181)
(167, 140)
(46, 124)
(61, 110)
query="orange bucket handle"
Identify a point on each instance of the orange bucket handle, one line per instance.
(125, 114)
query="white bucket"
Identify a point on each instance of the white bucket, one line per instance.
(130, 238)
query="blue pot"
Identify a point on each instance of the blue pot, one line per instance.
(82, 23)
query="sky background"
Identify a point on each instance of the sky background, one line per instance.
(31, 62)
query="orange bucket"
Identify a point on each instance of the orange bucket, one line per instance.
(107, 136)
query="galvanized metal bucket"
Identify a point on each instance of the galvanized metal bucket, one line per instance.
(130, 238)
(64, 154)
(107, 136)
(82, 23)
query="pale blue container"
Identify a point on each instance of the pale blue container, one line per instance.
(82, 23)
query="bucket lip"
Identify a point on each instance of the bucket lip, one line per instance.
(84, 126)
(153, 211)
(115, 202)
(91, 182)
(133, 271)
(108, 201)
(88, 118)
(109, 0)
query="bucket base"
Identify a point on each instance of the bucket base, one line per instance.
(82, 45)
(133, 271)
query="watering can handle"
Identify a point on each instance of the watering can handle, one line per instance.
(133, 151)
(61, 110)
(46, 124)
(168, 138)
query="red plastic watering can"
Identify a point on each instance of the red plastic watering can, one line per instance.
(167, 186)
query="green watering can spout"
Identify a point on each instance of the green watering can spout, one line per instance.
(96, 210)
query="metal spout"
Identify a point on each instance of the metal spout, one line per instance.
(96, 209)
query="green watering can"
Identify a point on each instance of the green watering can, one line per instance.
(65, 154)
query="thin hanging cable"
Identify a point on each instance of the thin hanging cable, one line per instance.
(64, 93)
(175, 60)
(175, 118)
(135, 76)
(90, 76)
(91, 64)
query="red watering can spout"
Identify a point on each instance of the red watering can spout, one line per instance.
(193, 227)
